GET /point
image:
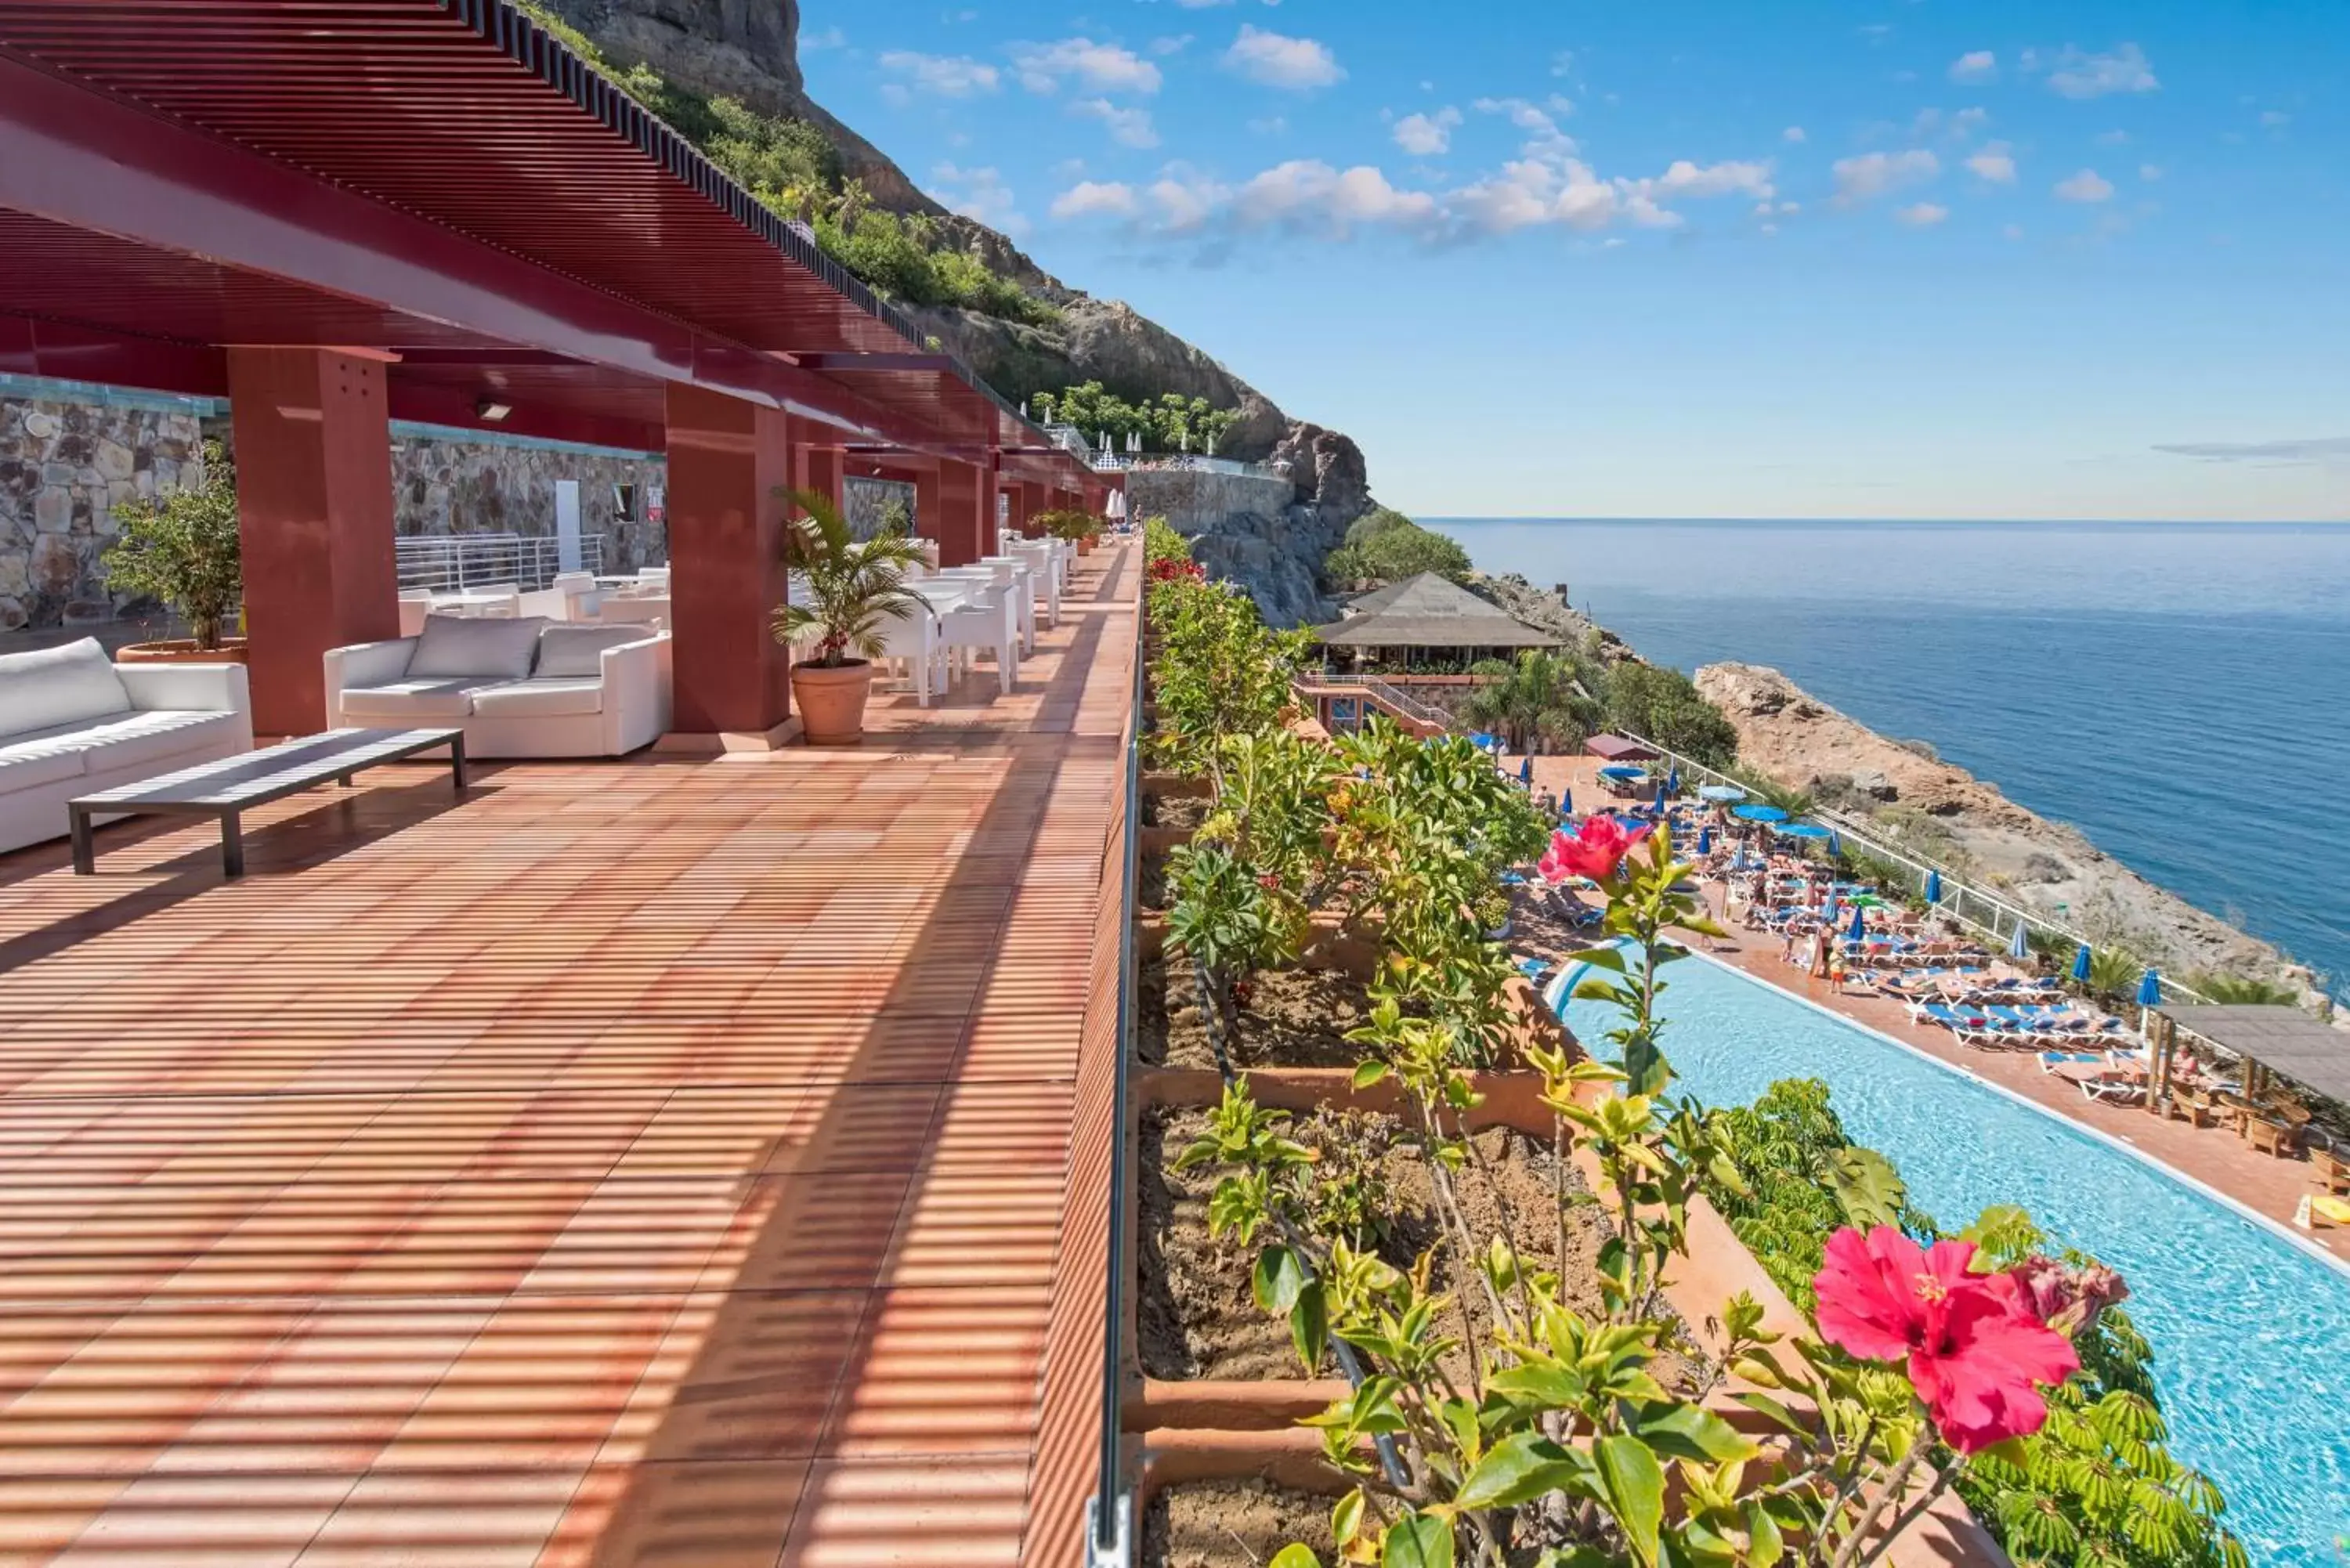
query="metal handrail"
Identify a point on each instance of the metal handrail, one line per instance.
(1389, 696)
(1956, 890)
(1110, 1533)
(451, 562)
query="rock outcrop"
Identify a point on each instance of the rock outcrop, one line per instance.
(1791, 736)
(748, 50)
(1546, 609)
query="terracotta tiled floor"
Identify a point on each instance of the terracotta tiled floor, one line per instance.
(2212, 1156)
(658, 1162)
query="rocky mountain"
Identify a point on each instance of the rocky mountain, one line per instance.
(1793, 737)
(748, 50)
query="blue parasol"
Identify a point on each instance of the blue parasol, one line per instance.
(1933, 887)
(1480, 739)
(1673, 780)
(2149, 990)
(2081, 964)
(1859, 923)
(1721, 792)
(1828, 909)
(1566, 803)
(1625, 772)
(1758, 813)
(2020, 947)
(1526, 772)
(1836, 846)
(1802, 829)
(1705, 841)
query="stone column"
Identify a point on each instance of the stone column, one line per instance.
(727, 461)
(965, 512)
(314, 519)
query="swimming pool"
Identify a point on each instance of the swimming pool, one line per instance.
(2251, 1333)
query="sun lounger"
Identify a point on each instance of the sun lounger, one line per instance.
(2113, 1088)
(2051, 1061)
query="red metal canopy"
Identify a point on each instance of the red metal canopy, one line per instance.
(437, 179)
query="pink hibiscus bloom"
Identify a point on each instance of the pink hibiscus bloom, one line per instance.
(1595, 852)
(1976, 1351)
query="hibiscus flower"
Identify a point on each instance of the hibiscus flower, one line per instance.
(1595, 852)
(1976, 1351)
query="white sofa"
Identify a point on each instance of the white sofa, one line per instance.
(72, 723)
(518, 688)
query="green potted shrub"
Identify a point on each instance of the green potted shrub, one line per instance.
(1080, 528)
(855, 588)
(182, 549)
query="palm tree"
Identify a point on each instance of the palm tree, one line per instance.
(2115, 971)
(855, 588)
(2244, 990)
(1536, 697)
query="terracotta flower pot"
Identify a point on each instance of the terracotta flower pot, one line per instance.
(181, 651)
(831, 701)
(1086, 546)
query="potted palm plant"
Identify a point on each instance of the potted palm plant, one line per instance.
(1080, 528)
(182, 548)
(855, 588)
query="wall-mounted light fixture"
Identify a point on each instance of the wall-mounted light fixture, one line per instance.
(493, 411)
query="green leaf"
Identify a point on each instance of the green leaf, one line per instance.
(1309, 1325)
(1633, 1485)
(1297, 1555)
(1369, 1072)
(1346, 1518)
(1277, 1279)
(1417, 1541)
(1691, 1432)
(1766, 1544)
(1520, 1468)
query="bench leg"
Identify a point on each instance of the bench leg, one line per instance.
(231, 844)
(457, 763)
(85, 852)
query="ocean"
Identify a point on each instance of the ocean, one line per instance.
(2179, 692)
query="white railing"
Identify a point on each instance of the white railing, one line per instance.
(1110, 460)
(1392, 698)
(1969, 906)
(451, 562)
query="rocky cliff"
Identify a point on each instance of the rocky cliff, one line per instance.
(1789, 735)
(748, 50)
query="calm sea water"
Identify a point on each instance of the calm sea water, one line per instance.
(2179, 692)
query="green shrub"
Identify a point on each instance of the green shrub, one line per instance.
(1663, 705)
(1385, 547)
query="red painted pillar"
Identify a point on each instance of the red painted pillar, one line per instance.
(314, 519)
(1033, 498)
(727, 460)
(926, 505)
(966, 503)
(825, 467)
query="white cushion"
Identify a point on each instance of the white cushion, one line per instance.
(540, 698)
(29, 765)
(57, 686)
(579, 649)
(141, 739)
(402, 701)
(495, 649)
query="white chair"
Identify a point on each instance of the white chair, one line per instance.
(517, 688)
(73, 722)
(1013, 572)
(1039, 553)
(913, 640)
(983, 620)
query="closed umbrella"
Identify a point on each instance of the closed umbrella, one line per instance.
(2149, 990)
(1566, 803)
(1933, 887)
(2019, 949)
(1705, 841)
(1673, 780)
(2081, 964)
(1836, 846)
(1859, 923)
(1526, 772)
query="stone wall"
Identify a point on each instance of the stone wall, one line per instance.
(64, 466)
(866, 500)
(442, 486)
(1195, 500)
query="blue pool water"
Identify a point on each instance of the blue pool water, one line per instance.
(2251, 1333)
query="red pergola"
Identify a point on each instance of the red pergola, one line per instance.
(338, 212)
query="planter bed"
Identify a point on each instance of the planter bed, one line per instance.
(1186, 812)
(1295, 1018)
(1236, 1522)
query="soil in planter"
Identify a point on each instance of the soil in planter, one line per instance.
(1198, 1317)
(1231, 1524)
(1151, 881)
(1295, 1018)
(1189, 812)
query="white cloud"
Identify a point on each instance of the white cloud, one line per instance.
(1967, 121)
(2150, 172)
(2088, 185)
(1186, 202)
(1543, 137)
(1275, 59)
(1921, 215)
(829, 38)
(1426, 135)
(979, 194)
(1309, 196)
(1975, 65)
(2076, 73)
(1792, 133)
(1269, 125)
(1873, 174)
(1093, 198)
(2274, 119)
(1127, 127)
(1683, 178)
(2112, 139)
(1173, 44)
(948, 76)
(1096, 67)
(1995, 163)
(1562, 63)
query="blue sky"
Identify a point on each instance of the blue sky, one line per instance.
(1892, 258)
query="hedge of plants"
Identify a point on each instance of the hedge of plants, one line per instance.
(1520, 1389)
